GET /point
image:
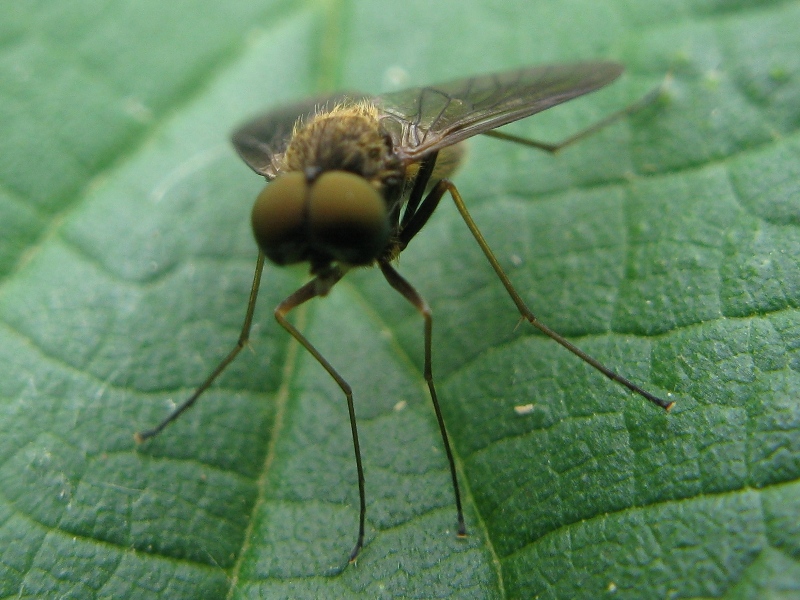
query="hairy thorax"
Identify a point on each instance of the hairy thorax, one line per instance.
(347, 138)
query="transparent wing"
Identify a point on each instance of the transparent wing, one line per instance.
(262, 139)
(425, 119)
(422, 120)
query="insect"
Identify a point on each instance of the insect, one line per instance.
(352, 179)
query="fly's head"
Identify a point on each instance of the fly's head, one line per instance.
(331, 201)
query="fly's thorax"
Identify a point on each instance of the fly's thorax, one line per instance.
(346, 138)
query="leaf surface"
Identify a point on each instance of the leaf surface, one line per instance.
(666, 246)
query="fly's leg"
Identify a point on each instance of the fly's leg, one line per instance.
(647, 100)
(409, 293)
(311, 290)
(316, 287)
(240, 343)
(447, 186)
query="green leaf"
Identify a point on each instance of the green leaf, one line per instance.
(666, 246)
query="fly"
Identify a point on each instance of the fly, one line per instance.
(352, 179)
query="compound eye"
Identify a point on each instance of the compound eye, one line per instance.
(348, 218)
(279, 220)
